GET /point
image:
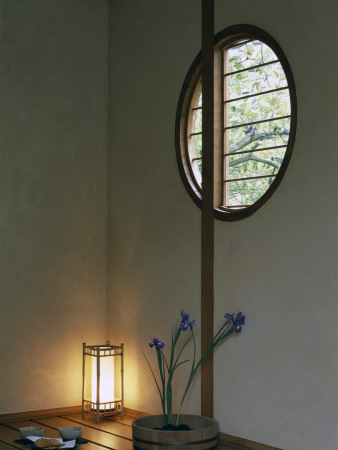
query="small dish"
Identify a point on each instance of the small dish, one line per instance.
(30, 431)
(68, 433)
(51, 443)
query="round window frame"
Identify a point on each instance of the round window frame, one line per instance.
(229, 36)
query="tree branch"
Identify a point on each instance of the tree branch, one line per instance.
(253, 157)
(248, 139)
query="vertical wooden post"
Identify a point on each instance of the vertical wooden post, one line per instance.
(83, 378)
(98, 374)
(207, 239)
(122, 381)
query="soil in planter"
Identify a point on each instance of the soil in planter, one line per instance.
(180, 427)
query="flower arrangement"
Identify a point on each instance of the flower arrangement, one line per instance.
(167, 367)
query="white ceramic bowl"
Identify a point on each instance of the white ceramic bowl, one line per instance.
(70, 432)
(30, 431)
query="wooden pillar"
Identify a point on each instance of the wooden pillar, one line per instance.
(207, 239)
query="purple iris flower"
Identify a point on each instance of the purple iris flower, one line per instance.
(185, 321)
(240, 318)
(157, 343)
(236, 322)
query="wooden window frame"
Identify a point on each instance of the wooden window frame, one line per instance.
(223, 40)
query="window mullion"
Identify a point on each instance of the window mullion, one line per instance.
(218, 128)
(225, 88)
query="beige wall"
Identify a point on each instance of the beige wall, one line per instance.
(154, 228)
(277, 383)
(53, 196)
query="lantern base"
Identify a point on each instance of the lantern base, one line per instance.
(105, 411)
(102, 410)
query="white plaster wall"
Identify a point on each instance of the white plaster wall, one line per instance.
(154, 228)
(53, 197)
(277, 383)
(280, 265)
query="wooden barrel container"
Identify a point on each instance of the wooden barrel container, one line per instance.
(202, 436)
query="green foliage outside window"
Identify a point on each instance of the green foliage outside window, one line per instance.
(257, 124)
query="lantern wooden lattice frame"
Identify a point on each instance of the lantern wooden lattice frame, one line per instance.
(115, 406)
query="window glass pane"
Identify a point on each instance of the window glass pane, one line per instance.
(196, 146)
(251, 165)
(195, 156)
(272, 154)
(261, 107)
(245, 193)
(258, 163)
(200, 101)
(249, 54)
(197, 119)
(256, 80)
(195, 136)
(267, 134)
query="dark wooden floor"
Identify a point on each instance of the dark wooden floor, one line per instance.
(111, 433)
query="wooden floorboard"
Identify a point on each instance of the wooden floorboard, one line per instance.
(10, 432)
(119, 427)
(99, 433)
(110, 433)
(5, 446)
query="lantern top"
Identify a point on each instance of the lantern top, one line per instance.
(102, 350)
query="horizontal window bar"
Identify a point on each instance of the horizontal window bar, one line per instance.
(195, 134)
(255, 95)
(249, 178)
(258, 121)
(197, 108)
(247, 151)
(233, 206)
(251, 67)
(240, 44)
(254, 150)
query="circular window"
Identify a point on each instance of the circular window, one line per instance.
(255, 122)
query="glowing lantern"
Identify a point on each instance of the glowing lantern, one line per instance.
(102, 388)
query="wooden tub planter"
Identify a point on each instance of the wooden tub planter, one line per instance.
(202, 436)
